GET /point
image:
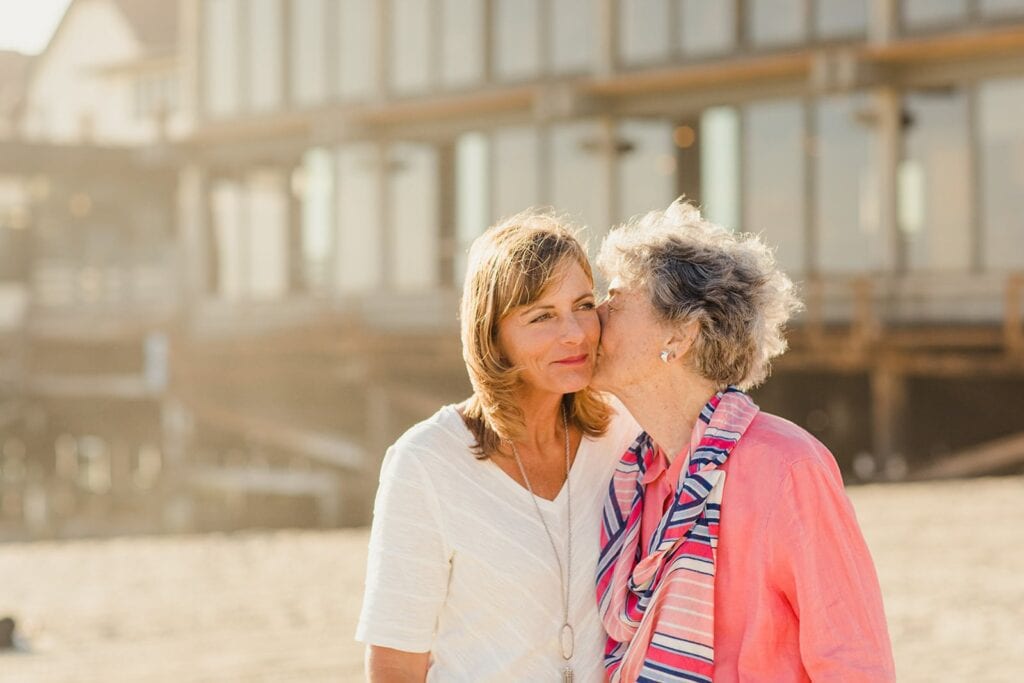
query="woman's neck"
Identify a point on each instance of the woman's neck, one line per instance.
(667, 408)
(542, 419)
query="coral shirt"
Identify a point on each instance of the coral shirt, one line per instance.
(796, 594)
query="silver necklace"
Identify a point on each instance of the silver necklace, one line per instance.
(566, 635)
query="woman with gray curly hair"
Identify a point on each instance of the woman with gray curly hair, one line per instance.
(729, 548)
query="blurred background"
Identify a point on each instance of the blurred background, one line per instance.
(232, 232)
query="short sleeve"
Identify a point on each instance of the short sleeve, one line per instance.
(408, 562)
(821, 563)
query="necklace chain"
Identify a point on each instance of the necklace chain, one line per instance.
(565, 582)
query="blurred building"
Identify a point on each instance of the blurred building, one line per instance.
(333, 159)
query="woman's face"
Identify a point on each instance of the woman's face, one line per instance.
(554, 339)
(632, 338)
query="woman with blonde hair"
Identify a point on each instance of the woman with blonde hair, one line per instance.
(486, 523)
(729, 548)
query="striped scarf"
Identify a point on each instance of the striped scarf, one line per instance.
(658, 606)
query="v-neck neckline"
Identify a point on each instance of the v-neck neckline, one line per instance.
(509, 481)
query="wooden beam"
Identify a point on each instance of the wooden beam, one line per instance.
(325, 448)
(977, 460)
(278, 481)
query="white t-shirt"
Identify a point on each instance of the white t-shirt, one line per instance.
(460, 565)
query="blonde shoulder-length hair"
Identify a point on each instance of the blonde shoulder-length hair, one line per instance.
(511, 265)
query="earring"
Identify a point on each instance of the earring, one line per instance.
(666, 356)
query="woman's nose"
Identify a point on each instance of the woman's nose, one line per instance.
(573, 332)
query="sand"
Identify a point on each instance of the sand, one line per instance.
(281, 606)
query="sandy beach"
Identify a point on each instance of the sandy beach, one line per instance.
(281, 606)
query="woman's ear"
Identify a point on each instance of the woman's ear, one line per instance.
(681, 340)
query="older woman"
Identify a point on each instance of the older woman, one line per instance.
(729, 548)
(485, 531)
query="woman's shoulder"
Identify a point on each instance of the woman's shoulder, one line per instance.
(437, 437)
(783, 444)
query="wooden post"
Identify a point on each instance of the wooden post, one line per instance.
(1013, 335)
(888, 411)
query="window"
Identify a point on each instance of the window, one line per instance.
(998, 8)
(315, 185)
(774, 178)
(266, 232)
(462, 49)
(644, 31)
(414, 230)
(577, 179)
(776, 22)
(935, 180)
(925, 13)
(1001, 134)
(516, 44)
(264, 55)
(571, 38)
(720, 166)
(309, 51)
(358, 267)
(707, 26)
(357, 48)
(841, 18)
(516, 183)
(411, 29)
(472, 199)
(646, 167)
(220, 57)
(155, 95)
(846, 208)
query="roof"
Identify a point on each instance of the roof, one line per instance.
(155, 22)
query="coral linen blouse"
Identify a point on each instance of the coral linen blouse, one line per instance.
(796, 594)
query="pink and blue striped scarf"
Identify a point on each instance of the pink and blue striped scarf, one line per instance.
(658, 606)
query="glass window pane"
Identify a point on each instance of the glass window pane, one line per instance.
(462, 46)
(220, 56)
(846, 205)
(358, 266)
(720, 166)
(773, 179)
(707, 26)
(577, 182)
(644, 31)
(472, 159)
(309, 51)
(227, 211)
(841, 18)
(317, 189)
(266, 228)
(776, 22)
(929, 12)
(571, 39)
(415, 259)
(516, 171)
(1001, 7)
(516, 44)
(410, 45)
(264, 54)
(1000, 103)
(357, 48)
(934, 182)
(646, 168)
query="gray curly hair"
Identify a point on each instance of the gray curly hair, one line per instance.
(695, 270)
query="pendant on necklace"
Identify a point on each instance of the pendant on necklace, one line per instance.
(566, 675)
(568, 641)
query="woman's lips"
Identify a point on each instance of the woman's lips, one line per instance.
(574, 360)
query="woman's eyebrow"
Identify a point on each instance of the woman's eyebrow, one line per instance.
(541, 307)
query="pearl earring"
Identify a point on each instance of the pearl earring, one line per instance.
(666, 356)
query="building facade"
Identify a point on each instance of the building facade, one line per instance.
(335, 158)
